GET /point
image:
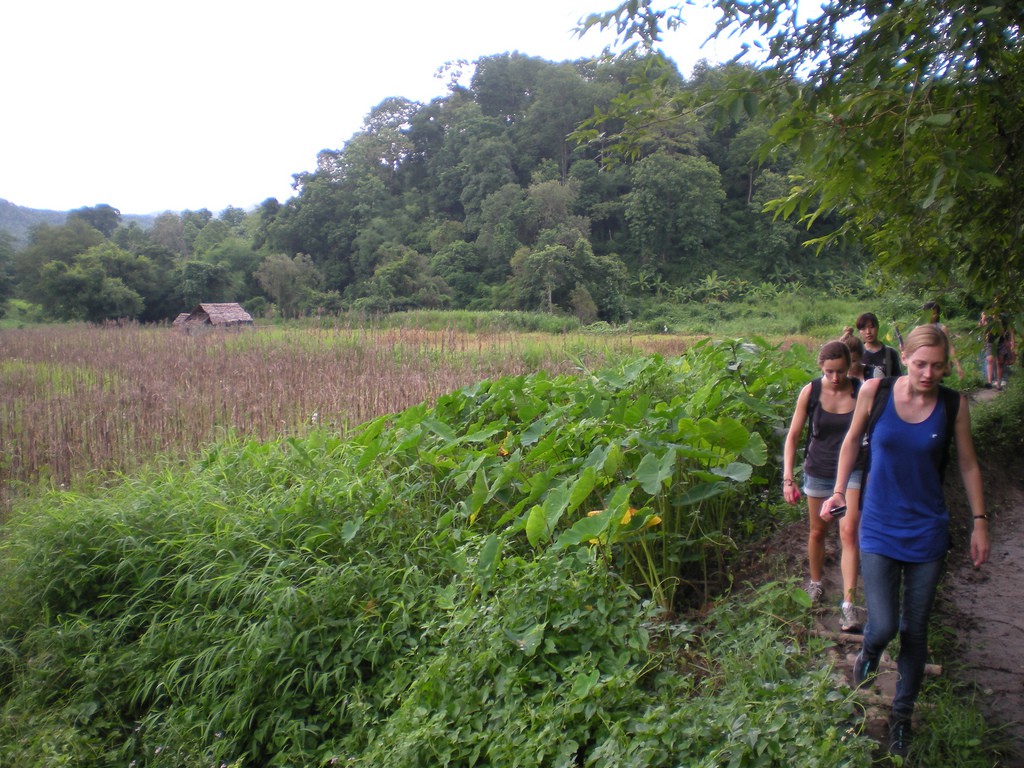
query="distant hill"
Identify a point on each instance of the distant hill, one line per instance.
(18, 221)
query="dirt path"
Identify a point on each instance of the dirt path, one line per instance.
(984, 603)
(984, 606)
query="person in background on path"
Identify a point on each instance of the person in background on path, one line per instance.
(1001, 349)
(990, 337)
(856, 348)
(904, 531)
(826, 405)
(879, 360)
(936, 320)
(985, 323)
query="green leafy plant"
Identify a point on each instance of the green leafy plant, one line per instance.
(432, 590)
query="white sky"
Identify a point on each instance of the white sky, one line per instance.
(151, 106)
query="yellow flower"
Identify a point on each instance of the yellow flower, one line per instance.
(626, 517)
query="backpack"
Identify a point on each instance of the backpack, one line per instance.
(949, 397)
(893, 367)
(814, 400)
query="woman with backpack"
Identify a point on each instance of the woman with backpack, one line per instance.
(826, 405)
(879, 360)
(904, 527)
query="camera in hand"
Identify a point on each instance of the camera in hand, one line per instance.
(838, 512)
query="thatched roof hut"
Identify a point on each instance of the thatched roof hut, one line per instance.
(226, 315)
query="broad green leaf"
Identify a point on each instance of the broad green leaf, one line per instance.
(536, 526)
(490, 555)
(529, 641)
(738, 471)
(597, 457)
(698, 493)
(750, 103)
(446, 598)
(755, 451)
(480, 436)
(801, 598)
(583, 683)
(591, 527)
(582, 488)
(544, 517)
(614, 460)
(411, 440)
(555, 503)
(372, 452)
(479, 495)
(636, 411)
(757, 405)
(653, 471)
(440, 429)
(534, 432)
(725, 433)
(349, 529)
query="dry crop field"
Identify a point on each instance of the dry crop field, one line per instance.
(82, 402)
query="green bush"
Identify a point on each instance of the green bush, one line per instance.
(998, 425)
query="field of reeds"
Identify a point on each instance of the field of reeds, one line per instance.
(84, 402)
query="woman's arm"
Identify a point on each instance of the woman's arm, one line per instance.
(970, 473)
(796, 427)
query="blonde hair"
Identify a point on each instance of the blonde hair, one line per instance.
(852, 341)
(925, 336)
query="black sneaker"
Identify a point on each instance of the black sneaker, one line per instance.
(861, 671)
(899, 737)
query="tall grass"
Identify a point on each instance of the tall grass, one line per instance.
(78, 401)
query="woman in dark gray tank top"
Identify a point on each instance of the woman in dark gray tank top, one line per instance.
(826, 406)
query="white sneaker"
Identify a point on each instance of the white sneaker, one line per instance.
(814, 590)
(850, 621)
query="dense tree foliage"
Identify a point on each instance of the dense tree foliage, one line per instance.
(906, 117)
(479, 199)
(6, 268)
(103, 217)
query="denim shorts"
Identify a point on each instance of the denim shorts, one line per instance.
(820, 488)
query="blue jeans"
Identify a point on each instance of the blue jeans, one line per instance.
(887, 616)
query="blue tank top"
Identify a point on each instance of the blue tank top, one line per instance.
(904, 514)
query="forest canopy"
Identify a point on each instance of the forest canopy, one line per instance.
(907, 119)
(480, 199)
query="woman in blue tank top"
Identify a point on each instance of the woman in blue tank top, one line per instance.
(904, 529)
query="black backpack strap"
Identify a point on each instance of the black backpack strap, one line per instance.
(951, 401)
(878, 404)
(892, 362)
(813, 400)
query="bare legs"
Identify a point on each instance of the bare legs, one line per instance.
(849, 526)
(816, 538)
(848, 535)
